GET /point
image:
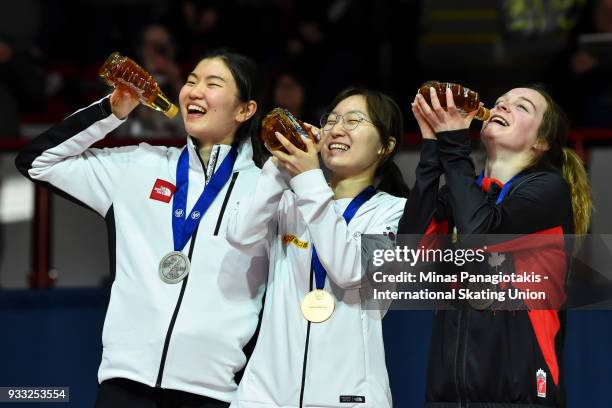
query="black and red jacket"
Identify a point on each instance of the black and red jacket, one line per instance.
(492, 358)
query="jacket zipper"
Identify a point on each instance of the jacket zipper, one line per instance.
(460, 356)
(224, 205)
(162, 363)
(306, 348)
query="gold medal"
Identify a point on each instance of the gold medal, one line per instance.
(317, 306)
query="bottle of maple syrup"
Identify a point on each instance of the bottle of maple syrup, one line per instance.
(282, 121)
(465, 99)
(123, 71)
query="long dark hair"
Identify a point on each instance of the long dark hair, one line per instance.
(387, 118)
(249, 83)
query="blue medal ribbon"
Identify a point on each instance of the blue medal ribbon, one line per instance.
(348, 215)
(505, 188)
(183, 225)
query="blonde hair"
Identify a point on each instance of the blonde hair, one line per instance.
(580, 190)
(554, 130)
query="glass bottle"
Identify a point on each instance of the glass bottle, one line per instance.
(465, 99)
(282, 121)
(123, 71)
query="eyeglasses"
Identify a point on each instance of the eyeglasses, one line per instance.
(349, 120)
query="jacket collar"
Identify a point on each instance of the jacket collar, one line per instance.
(217, 154)
(488, 182)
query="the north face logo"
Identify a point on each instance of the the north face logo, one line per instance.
(162, 191)
(165, 191)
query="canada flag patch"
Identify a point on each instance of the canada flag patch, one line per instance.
(162, 191)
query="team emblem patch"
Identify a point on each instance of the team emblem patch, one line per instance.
(541, 383)
(162, 191)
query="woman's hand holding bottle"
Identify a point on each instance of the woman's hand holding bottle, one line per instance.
(123, 101)
(298, 161)
(427, 131)
(442, 119)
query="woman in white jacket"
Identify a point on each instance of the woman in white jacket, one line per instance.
(166, 209)
(340, 361)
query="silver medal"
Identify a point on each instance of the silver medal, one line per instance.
(174, 267)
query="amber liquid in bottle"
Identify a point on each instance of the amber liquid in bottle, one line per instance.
(465, 99)
(282, 121)
(123, 71)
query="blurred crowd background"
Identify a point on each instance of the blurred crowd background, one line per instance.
(50, 52)
(308, 51)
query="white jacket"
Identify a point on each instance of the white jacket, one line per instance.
(187, 336)
(344, 355)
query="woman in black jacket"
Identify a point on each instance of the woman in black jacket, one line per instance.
(531, 184)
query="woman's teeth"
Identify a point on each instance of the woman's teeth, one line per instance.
(499, 120)
(195, 109)
(338, 146)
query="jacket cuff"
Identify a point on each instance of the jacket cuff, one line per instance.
(107, 111)
(309, 183)
(454, 138)
(429, 151)
(270, 170)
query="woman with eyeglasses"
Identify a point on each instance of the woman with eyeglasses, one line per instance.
(317, 346)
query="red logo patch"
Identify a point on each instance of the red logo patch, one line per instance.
(162, 191)
(541, 383)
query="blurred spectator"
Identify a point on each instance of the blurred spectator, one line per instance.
(326, 40)
(289, 92)
(21, 77)
(589, 89)
(156, 53)
(76, 37)
(21, 83)
(203, 25)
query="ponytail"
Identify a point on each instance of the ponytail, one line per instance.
(575, 175)
(554, 131)
(391, 179)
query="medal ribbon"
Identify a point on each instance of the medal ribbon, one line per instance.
(183, 225)
(484, 268)
(505, 188)
(348, 215)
